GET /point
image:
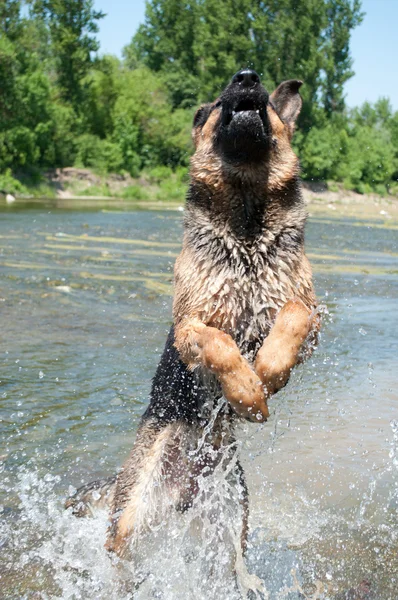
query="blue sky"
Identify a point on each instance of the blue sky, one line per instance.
(374, 45)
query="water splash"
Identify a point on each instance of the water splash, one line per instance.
(302, 553)
(49, 552)
(45, 548)
(196, 555)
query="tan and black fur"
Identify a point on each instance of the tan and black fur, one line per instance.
(244, 308)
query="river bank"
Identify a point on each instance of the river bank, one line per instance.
(75, 188)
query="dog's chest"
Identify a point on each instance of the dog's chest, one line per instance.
(243, 286)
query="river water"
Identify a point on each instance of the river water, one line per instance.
(85, 306)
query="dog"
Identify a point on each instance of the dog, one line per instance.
(244, 310)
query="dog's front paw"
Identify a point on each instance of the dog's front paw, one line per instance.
(245, 393)
(240, 384)
(280, 350)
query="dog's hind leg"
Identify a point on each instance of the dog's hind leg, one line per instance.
(246, 582)
(244, 503)
(92, 496)
(154, 478)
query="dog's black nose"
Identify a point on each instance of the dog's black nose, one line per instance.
(246, 78)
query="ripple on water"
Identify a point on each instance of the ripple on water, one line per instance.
(85, 301)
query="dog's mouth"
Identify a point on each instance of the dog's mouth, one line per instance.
(243, 108)
(243, 134)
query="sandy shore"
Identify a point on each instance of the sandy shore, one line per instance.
(350, 204)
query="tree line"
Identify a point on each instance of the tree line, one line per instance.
(62, 103)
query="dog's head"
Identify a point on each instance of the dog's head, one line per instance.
(246, 130)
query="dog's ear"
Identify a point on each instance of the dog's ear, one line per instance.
(288, 102)
(201, 115)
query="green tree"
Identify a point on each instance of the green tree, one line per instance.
(72, 25)
(197, 45)
(104, 83)
(342, 17)
(10, 21)
(145, 127)
(62, 105)
(358, 148)
(36, 130)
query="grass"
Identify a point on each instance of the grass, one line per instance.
(91, 190)
(134, 192)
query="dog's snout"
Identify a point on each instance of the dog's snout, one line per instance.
(246, 78)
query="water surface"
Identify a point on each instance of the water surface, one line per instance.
(85, 306)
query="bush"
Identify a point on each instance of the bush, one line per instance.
(10, 185)
(56, 138)
(368, 157)
(18, 148)
(158, 174)
(95, 190)
(171, 190)
(134, 192)
(333, 186)
(148, 132)
(320, 153)
(101, 155)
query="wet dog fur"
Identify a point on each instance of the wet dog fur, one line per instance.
(244, 311)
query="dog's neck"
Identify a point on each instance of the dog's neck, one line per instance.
(244, 206)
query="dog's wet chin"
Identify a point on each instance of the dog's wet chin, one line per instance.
(247, 124)
(245, 138)
(244, 133)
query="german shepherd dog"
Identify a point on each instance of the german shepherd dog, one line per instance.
(244, 309)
